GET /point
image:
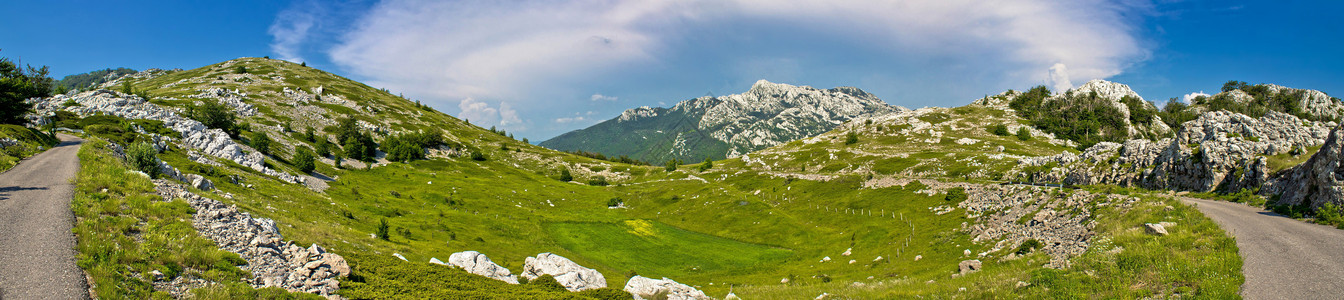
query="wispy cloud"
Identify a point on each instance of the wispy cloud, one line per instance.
(291, 29)
(601, 97)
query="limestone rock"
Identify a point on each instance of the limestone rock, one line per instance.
(479, 264)
(642, 287)
(969, 266)
(1155, 228)
(194, 135)
(1317, 181)
(569, 274)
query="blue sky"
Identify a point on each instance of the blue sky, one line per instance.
(541, 68)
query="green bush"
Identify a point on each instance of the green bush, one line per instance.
(851, 138)
(214, 114)
(142, 156)
(705, 166)
(598, 181)
(565, 175)
(355, 143)
(1023, 134)
(383, 230)
(304, 160)
(1028, 246)
(998, 129)
(261, 142)
(1330, 214)
(478, 156)
(956, 194)
(671, 165)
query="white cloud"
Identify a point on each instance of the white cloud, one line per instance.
(601, 97)
(578, 119)
(477, 110)
(508, 116)
(527, 51)
(1059, 78)
(1191, 96)
(290, 30)
(489, 49)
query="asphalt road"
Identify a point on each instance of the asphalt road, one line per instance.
(1284, 258)
(37, 256)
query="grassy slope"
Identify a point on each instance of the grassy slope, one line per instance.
(510, 207)
(30, 141)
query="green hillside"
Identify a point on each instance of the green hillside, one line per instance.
(761, 225)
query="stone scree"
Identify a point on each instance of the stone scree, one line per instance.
(272, 261)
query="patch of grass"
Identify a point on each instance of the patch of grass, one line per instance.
(1286, 160)
(657, 249)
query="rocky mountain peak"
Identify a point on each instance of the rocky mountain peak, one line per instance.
(1106, 89)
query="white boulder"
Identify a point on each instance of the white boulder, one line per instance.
(569, 274)
(476, 263)
(641, 287)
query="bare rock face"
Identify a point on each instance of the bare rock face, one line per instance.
(569, 274)
(642, 287)
(477, 263)
(1319, 180)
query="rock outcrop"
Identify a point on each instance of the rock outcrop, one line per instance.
(272, 261)
(1218, 151)
(479, 264)
(194, 135)
(642, 287)
(1316, 182)
(725, 126)
(569, 274)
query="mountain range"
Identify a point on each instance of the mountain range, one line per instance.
(721, 127)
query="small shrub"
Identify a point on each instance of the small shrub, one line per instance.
(566, 176)
(383, 230)
(261, 142)
(998, 129)
(598, 181)
(478, 156)
(671, 165)
(706, 165)
(142, 156)
(851, 138)
(1028, 246)
(956, 194)
(240, 70)
(546, 282)
(614, 202)
(304, 160)
(1023, 134)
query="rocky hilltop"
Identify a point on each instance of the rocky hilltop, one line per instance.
(768, 114)
(1225, 148)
